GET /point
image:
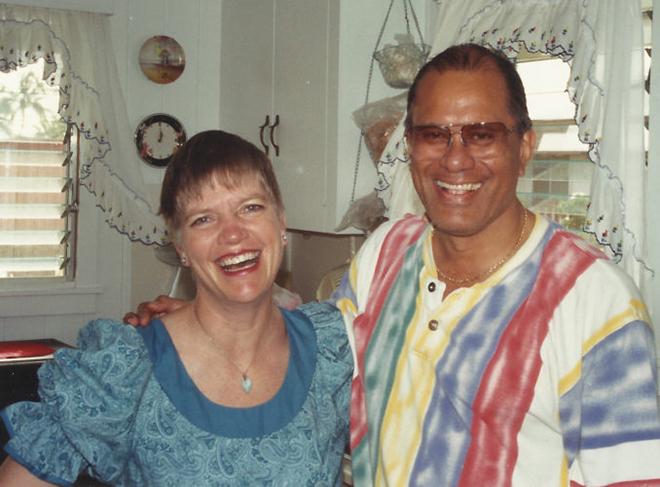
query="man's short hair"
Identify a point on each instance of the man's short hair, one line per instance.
(473, 57)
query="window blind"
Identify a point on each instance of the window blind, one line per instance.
(35, 194)
(38, 183)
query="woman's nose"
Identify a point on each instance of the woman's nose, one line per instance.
(232, 230)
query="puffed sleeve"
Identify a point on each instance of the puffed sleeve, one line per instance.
(335, 360)
(89, 397)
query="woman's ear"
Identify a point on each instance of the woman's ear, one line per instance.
(183, 258)
(282, 217)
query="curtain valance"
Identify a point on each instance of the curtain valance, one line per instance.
(77, 51)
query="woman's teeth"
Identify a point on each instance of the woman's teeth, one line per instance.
(238, 261)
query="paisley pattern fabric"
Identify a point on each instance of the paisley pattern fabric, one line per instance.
(123, 408)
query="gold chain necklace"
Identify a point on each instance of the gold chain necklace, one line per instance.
(246, 381)
(492, 268)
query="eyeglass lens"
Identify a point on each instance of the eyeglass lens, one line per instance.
(475, 136)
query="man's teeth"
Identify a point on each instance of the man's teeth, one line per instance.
(237, 260)
(458, 187)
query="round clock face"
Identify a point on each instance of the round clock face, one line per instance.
(157, 137)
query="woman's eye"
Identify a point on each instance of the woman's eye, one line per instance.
(199, 221)
(252, 208)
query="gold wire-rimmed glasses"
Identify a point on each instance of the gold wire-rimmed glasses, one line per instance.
(479, 138)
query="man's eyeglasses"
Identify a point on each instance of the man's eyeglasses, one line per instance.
(479, 138)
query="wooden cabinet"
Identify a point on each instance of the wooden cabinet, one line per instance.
(304, 63)
(246, 66)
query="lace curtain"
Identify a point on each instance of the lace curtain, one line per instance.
(603, 39)
(78, 57)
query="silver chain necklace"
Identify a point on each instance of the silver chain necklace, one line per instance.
(246, 381)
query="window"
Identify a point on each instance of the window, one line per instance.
(38, 187)
(557, 181)
(558, 151)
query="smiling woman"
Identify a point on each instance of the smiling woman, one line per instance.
(227, 372)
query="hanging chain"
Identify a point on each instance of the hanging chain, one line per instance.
(415, 19)
(366, 100)
(405, 16)
(406, 3)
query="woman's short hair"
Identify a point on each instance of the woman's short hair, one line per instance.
(473, 57)
(210, 157)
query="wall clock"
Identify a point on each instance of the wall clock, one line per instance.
(157, 137)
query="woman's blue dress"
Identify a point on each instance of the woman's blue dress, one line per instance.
(122, 408)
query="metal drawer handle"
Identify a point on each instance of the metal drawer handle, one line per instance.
(272, 139)
(261, 133)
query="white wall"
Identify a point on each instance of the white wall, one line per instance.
(193, 98)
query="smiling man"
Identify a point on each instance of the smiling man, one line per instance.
(492, 346)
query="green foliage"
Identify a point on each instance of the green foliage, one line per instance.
(18, 109)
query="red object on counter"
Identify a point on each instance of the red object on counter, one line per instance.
(25, 349)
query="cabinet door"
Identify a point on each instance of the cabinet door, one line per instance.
(246, 67)
(300, 99)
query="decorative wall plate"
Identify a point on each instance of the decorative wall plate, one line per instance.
(157, 137)
(162, 59)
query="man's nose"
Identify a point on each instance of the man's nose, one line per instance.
(457, 157)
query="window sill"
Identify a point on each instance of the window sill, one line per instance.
(39, 299)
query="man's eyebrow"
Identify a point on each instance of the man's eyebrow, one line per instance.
(430, 126)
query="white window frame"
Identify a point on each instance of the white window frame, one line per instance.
(653, 179)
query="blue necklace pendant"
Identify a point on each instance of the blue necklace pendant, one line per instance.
(246, 383)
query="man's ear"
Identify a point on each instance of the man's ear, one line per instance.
(527, 148)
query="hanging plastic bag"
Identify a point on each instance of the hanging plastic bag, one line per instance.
(377, 120)
(400, 63)
(365, 214)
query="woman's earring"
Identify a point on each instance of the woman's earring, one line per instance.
(285, 238)
(184, 260)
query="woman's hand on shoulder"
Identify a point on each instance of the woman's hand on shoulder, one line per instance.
(149, 310)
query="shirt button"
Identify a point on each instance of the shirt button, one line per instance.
(433, 325)
(431, 287)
